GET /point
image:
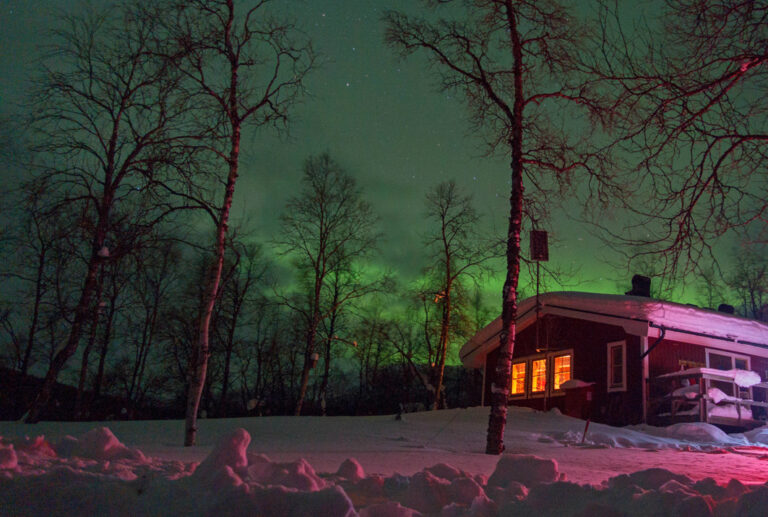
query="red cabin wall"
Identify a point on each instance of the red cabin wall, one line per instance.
(588, 340)
(671, 356)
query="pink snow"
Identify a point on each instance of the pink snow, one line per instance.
(351, 469)
(98, 444)
(432, 463)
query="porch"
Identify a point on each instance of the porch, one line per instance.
(734, 400)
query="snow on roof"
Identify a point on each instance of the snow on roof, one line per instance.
(638, 316)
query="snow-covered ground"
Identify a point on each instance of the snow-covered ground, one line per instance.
(428, 463)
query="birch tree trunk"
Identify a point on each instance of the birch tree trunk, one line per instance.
(82, 315)
(501, 376)
(202, 349)
(273, 60)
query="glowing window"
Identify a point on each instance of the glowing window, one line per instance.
(538, 375)
(518, 379)
(562, 369)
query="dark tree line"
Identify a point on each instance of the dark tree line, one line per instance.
(139, 339)
(123, 300)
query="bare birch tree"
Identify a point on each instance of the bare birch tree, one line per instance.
(459, 253)
(327, 228)
(107, 112)
(517, 65)
(36, 241)
(693, 77)
(748, 279)
(241, 296)
(247, 68)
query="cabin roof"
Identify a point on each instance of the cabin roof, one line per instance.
(638, 315)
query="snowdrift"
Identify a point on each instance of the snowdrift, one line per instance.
(96, 474)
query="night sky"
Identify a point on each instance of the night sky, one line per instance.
(379, 117)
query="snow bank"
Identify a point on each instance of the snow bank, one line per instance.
(8, 458)
(757, 436)
(698, 432)
(98, 444)
(527, 470)
(96, 474)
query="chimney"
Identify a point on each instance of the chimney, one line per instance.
(641, 286)
(727, 309)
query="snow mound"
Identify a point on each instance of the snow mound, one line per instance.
(227, 463)
(97, 444)
(445, 471)
(230, 463)
(525, 469)
(575, 383)
(36, 447)
(351, 469)
(758, 436)
(297, 474)
(698, 432)
(233, 481)
(427, 493)
(648, 479)
(8, 458)
(251, 484)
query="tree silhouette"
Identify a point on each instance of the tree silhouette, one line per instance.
(458, 254)
(245, 68)
(106, 130)
(519, 67)
(693, 81)
(326, 229)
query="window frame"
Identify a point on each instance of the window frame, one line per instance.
(554, 356)
(732, 355)
(526, 373)
(549, 372)
(539, 393)
(737, 391)
(610, 347)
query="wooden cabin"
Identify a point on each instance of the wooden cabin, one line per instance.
(632, 359)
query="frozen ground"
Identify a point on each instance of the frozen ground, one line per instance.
(428, 463)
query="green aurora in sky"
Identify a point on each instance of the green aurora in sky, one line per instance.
(382, 120)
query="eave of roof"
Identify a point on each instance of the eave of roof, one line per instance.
(638, 316)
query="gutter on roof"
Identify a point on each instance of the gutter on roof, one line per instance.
(661, 327)
(711, 336)
(658, 340)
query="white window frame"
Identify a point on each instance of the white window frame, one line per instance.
(526, 381)
(551, 373)
(538, 394)
(549, 379)
(609, 370)
(728, 354)
(737, 390)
